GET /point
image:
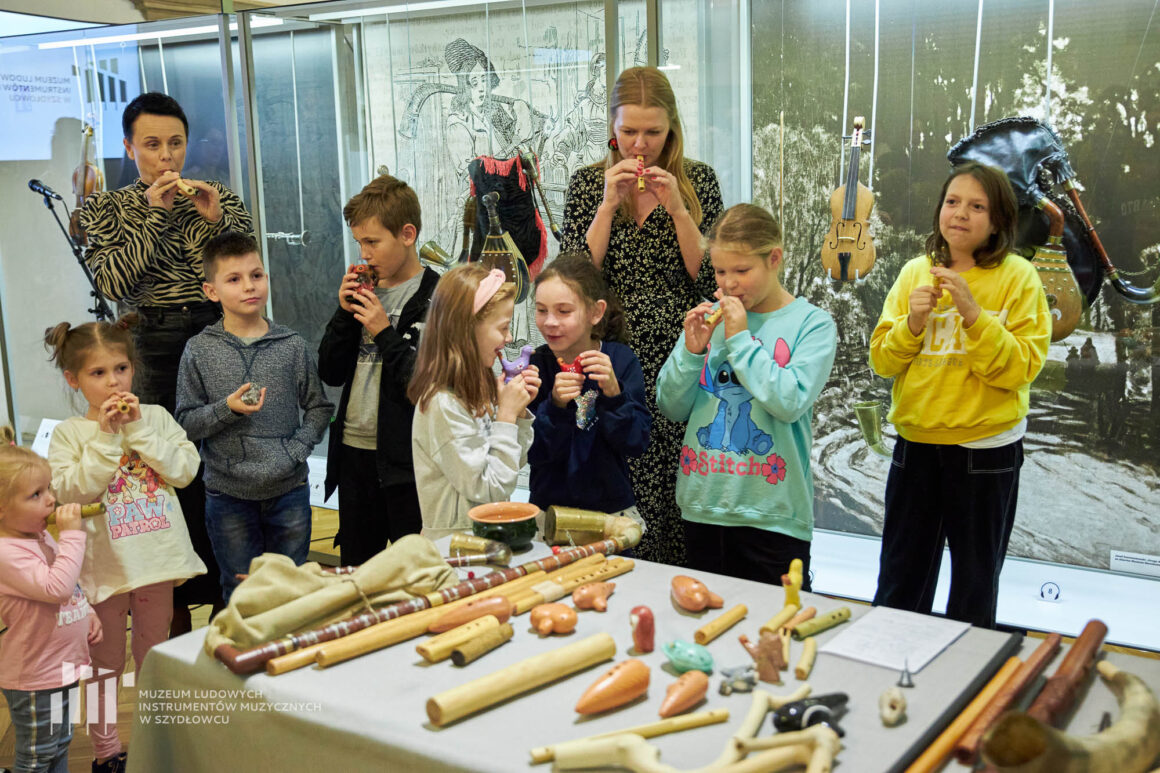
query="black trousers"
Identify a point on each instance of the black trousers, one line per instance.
(745, 552)
(961, 497)
(160, 338)
(370, 515)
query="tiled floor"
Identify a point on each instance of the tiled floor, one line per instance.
(325, 524)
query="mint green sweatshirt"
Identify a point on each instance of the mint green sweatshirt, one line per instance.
(749, 402)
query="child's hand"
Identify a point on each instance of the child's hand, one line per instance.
(698, 330)
(732, 314)
(598, 367)
(513, 399)
(922, 302)
(369, 311)
(960, 291)
(566, 388)
(68, 517)
(235, 403)
(532, 381)
(119, 409)
(349, 287)
(96, 634)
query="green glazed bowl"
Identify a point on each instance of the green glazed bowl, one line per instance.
(512, 523)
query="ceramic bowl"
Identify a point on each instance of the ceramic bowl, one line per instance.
(512, 523)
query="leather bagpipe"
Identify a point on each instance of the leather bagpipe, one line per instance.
(1054, 230)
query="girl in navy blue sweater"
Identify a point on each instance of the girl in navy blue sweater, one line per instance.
(590, 411)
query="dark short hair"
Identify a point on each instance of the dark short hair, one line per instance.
(389, 199)
(153, 103)
(229, 244)
(1003, 209)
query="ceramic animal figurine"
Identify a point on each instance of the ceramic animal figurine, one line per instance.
(691, 594)
(791, 581)
(253, 395)
(738, 679)
(643, 629)
(573, 367)
(553, 618)
(516, 366)
(368, 278)
(685, 693)
(593, 595)
(768, 654)
(686, 656)
(815, 710)
(622, 683)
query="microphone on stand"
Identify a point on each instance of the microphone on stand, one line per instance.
(43, 190)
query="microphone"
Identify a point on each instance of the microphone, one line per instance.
(43, 190)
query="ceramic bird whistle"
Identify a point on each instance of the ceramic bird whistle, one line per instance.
(643, 629)
(640, 173)
(691, 594)
(575, 367)
(518, 365)
(686, 656)
(368, 278)
(253, 395)
(685, 693)
(815, 710)
(593, 595)
(553, 618)
(624, 682)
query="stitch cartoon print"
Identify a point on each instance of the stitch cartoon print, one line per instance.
(732, 429)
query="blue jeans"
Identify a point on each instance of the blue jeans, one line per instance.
(243, 529)
(41, 743)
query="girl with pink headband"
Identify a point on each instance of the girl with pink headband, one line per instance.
(471, 431)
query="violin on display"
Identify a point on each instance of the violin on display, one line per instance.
(848, 251)
(86, 180)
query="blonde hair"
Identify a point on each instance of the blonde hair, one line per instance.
(648, 87)
(16, 462)
(448, 357)
(69, 345)
(747, 229)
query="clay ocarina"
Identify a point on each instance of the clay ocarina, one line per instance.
(691, 594)
(622, 683)
(553, 618)
(687, 656)
(253, 395)
(737, 679)
(518, 365)
(367, 277)
(643, 628)
(815, 710)
(574, 367)
(768, 654)
(685, 693)
(593, 595)
(493, 605)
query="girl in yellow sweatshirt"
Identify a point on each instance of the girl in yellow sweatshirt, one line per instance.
(963, 332)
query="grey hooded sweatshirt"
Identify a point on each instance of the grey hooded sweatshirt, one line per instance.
(261, 455)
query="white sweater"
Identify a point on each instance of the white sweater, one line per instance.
(142, 538)
(462, 461)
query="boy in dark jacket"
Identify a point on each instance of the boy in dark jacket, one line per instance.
(247, 389)
(369, 350)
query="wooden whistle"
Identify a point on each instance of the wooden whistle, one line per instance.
(685, 693)
(691, 594)
(640, 174)
(87, 511)
(593, 595)
(622, 683)
(714, 315)
(122, 406)
(553, 618)
(492, 605)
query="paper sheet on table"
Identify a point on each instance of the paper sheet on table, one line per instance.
(892, 638)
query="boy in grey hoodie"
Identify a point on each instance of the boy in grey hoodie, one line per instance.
(248, 390)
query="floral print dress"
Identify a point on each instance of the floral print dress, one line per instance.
(644, 267)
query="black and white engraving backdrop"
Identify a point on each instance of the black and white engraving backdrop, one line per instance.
(1091, 481)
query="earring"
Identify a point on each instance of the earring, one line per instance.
(612, 144)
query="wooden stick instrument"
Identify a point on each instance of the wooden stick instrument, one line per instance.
(720, 624)
(821, 623)
(966, 750)
(781, 618)
(459, 702)
(1059, 693)
(933, 756)
(651, 730)
(481, 645)
(87, 511)
(255, 658)
(809, 654)
(439, 647)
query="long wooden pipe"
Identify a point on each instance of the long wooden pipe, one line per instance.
(1059, 693)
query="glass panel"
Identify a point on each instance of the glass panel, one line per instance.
(57, 83)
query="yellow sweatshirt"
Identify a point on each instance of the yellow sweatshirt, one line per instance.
(953, 384)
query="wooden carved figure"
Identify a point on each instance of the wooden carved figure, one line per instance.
(643, 629)
(768, 654)
(691, 594)
(593, 595)
(553, 618)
